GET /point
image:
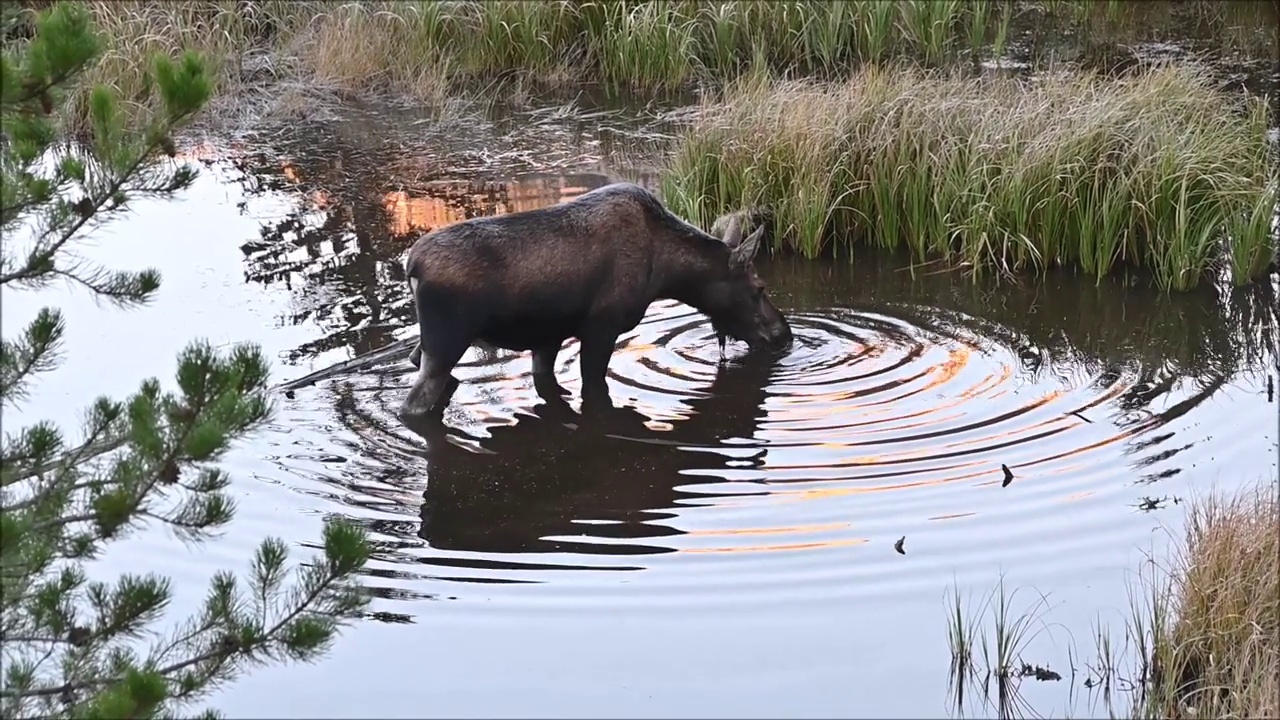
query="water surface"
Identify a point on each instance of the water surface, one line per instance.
(722, 542)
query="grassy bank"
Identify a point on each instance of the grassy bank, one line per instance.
(1155, 170)
(1218, 648)
(430, 50)
(1202, 638)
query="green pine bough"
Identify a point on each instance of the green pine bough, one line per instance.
(72, 647)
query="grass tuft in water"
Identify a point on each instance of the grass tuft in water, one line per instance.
(1212, 632)
(982, 652)
(1201, 638)
(1156, 170)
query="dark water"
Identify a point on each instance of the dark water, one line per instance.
(1239, 40)
(722, 544)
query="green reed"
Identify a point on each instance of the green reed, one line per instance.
(1153, 171)
(644, 45)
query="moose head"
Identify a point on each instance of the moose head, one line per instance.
(737, 303)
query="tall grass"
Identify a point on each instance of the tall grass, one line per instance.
(1157, 170)
(649, 44)
(429, 49)
(222, 30)
(1218, 648)
(1201, 639)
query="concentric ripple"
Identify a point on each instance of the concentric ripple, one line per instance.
(875, 425)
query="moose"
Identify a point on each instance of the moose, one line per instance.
(588, 269)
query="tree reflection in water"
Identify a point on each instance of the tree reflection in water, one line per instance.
(537, 479)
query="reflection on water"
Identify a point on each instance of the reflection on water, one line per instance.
(1237, 39)
(361, 203)
(910, 385)
(518, 496)
(744, 482)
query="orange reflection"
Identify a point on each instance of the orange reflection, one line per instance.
(202, 150)
(1141, 427)
(776, 548)
(818, 494)
(449, 201)
(1079, 496)
(952, 366)
(988, 382)
(419, 214)
(773, 530)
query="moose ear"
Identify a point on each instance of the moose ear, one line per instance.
(729, 229)
(743, 253)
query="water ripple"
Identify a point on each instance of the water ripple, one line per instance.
(805, 468)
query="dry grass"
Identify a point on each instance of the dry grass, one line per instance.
(1079, 171)
(1216, 625)
(427, 49)
(227, 33)
(1202, 640)
(1155, 171)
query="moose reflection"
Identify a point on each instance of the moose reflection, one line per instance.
(538, 479)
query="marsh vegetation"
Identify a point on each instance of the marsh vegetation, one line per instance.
(433, 50)
(1158, 170)
(910, 153)
(1200, 639)
(895, 136)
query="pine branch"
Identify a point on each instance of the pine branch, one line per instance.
(58, 506)
(223, 652)
(39, 262)
(103, 436)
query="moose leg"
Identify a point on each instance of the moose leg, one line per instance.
(435, 385)
(544, 359)
(415, 355)
(544, 372)
(440, 346)
(596, 349)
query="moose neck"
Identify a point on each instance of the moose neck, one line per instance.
(686, 270)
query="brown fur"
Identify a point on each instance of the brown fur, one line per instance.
(589, 269)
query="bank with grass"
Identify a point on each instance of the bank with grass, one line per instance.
(1201, 638)
(1216, 626)
(430, 51)
(1162, 172)
(1159, 171)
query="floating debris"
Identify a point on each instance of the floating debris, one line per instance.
(1147, 504)
(1039, 673)
(1008, 475)
(898, 545)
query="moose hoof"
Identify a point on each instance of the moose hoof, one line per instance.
(429, 401)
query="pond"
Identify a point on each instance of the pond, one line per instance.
(723, 542)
